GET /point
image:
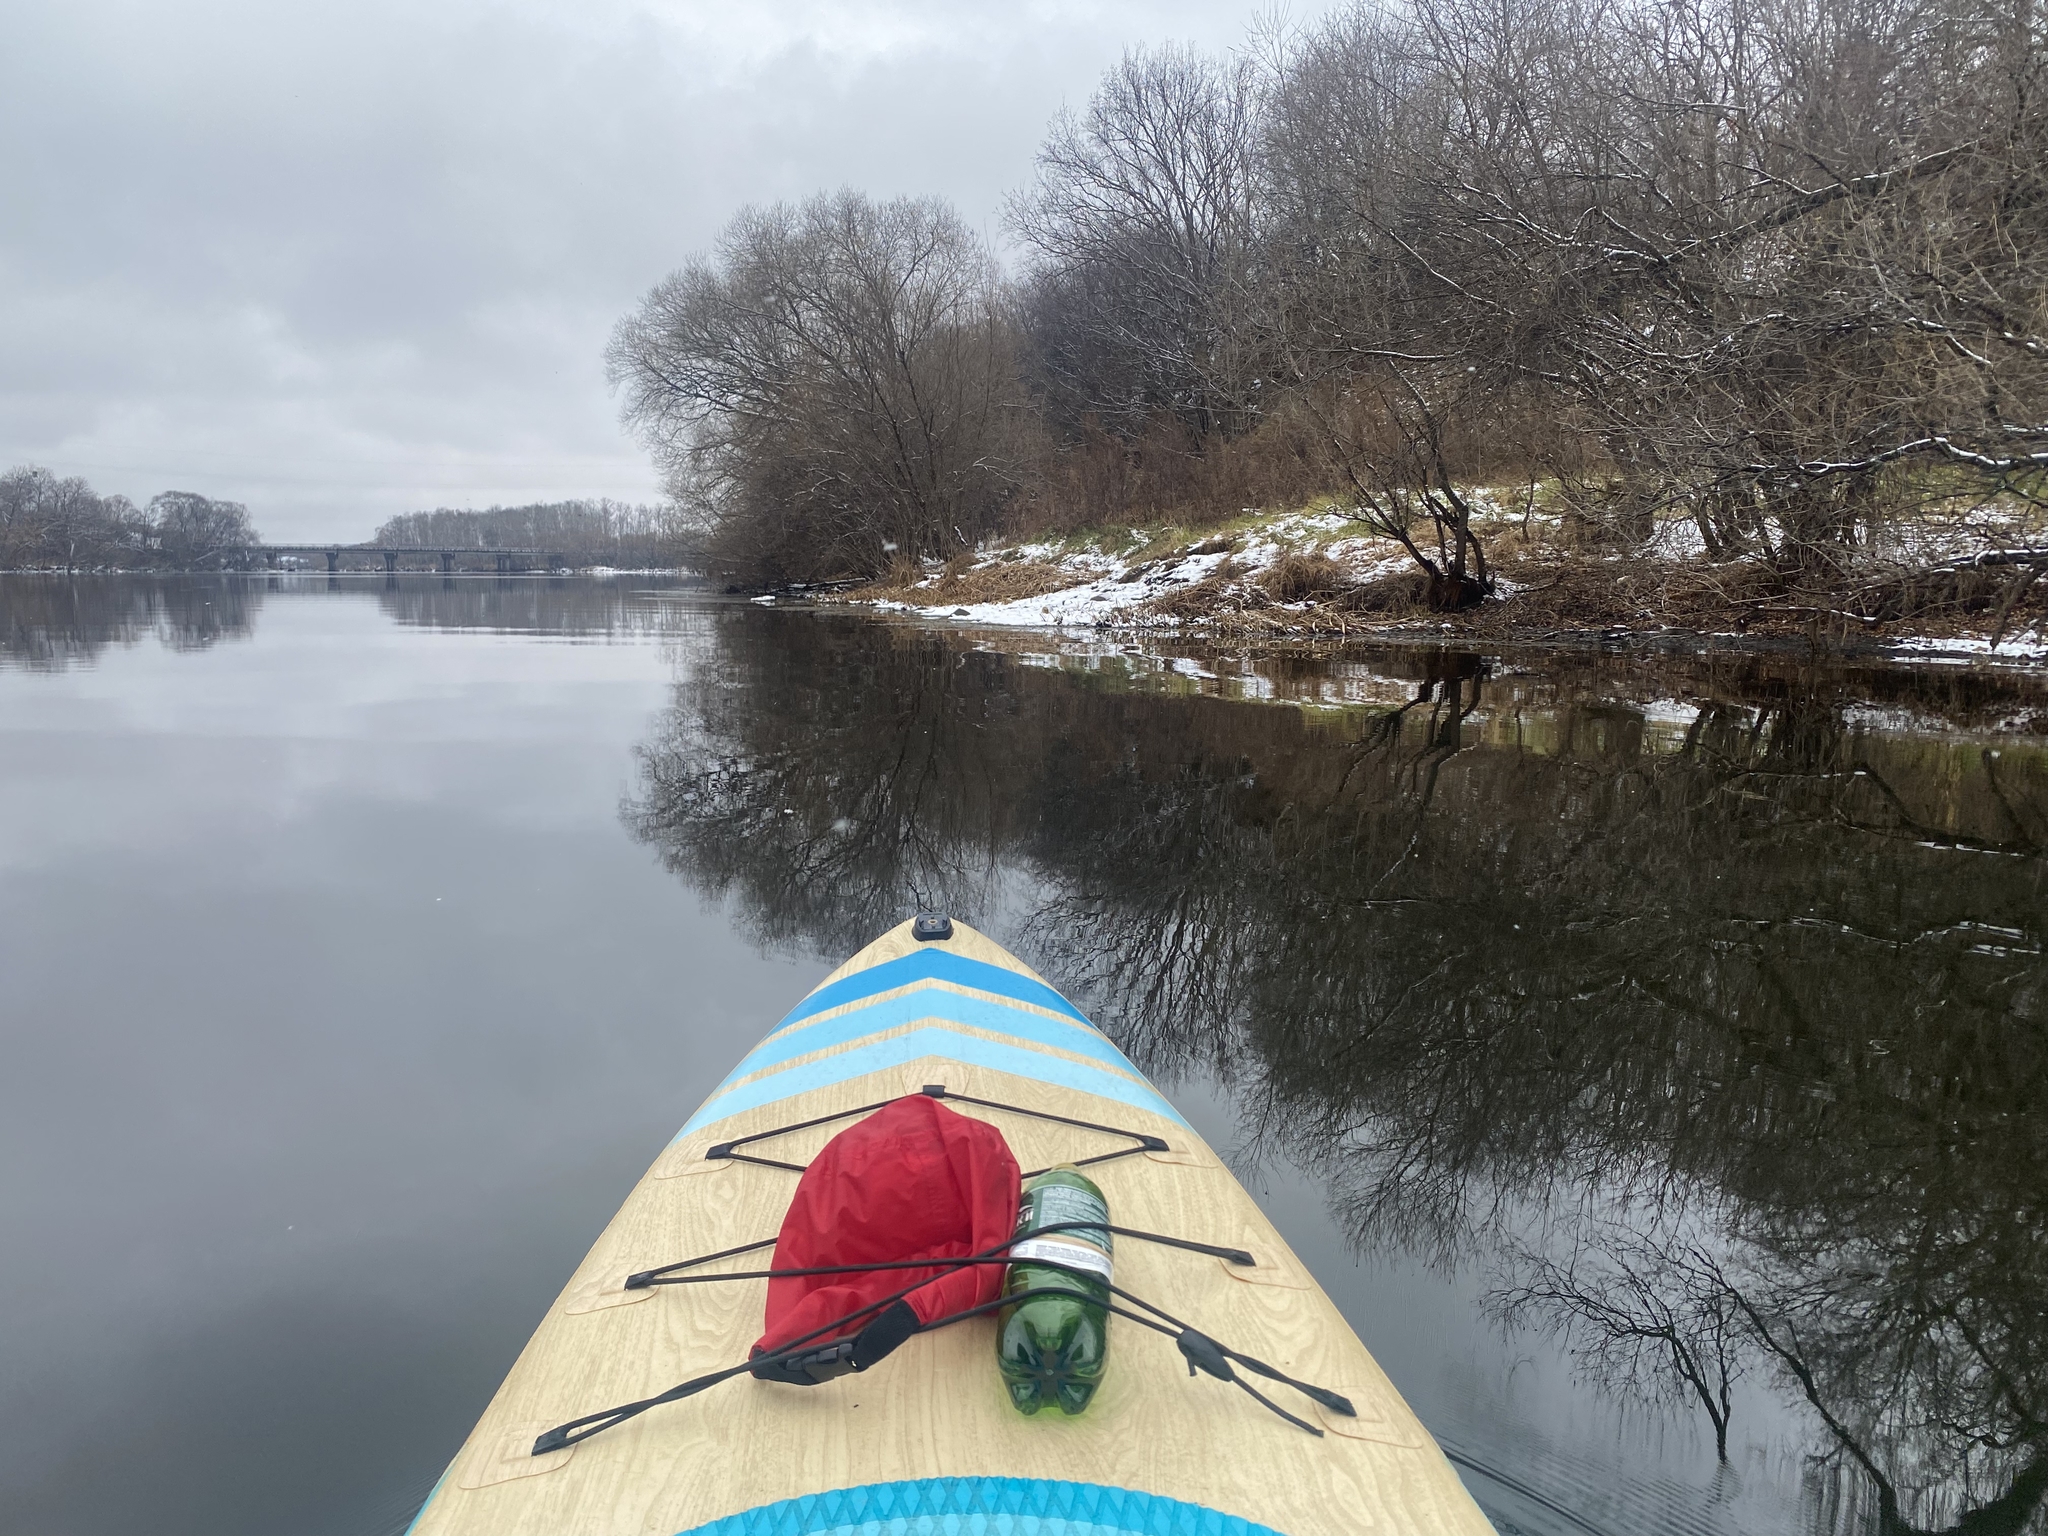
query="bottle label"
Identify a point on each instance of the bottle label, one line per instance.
(1059, 1204)
(1051, 1250)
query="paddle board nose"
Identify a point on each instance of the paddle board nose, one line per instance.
(928, 1440)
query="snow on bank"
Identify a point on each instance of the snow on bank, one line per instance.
(1963, 648)
(1219, 580)
(1117, 590)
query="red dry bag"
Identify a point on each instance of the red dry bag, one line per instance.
(914, 1180)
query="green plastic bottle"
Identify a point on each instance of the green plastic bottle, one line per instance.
(1053, 1348)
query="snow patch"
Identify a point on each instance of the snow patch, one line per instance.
(2027, 647)
(1670, 712)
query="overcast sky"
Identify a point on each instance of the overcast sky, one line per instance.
(344, 261)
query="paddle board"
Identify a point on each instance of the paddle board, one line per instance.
(926, 1440)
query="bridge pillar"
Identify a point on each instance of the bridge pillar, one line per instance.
(504, 565)
(447, 561)
(333, 561)
(390, 561)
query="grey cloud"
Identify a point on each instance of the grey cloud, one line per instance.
(343, 263)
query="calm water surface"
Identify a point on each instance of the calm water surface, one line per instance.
(1628, 1046)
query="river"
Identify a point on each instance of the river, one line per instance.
(1645, 1054)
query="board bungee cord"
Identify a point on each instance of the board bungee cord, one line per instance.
(884, 1335)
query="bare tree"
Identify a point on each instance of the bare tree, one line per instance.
(1641, 1314)
(1142, 227)
(52, 522)
(1775, 267)
(1781, 267)
(1391, 338)
(831, 387)
(197, 533)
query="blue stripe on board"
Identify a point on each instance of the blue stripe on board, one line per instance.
(982, 1506)
(1019, 1060)
(432, 1494)
(931, 1003)
(931, 964)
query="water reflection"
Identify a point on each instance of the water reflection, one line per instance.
(579, 607)
(48, 623)
(336, 1013)
(1713, 1025)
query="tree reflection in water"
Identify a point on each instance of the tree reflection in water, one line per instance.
(48, 623)
(1722, 1039)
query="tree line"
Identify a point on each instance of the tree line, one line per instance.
(1777, 269)
(52, 523)
(48, 522)
(600, 532)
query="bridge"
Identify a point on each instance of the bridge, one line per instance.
(508, 560)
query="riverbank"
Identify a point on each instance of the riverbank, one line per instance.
(1944, 590)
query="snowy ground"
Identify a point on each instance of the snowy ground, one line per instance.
(1113, 589)
(1114, 582)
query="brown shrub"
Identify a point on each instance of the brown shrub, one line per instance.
(1389, 596)
(1304, 578)
(903, 572)
(1162, 475)
(1221, 591)
(1099, 478)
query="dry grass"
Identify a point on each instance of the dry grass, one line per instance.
(1752, 598)
(1230, 602)
(1295, 578)
(1000, 581)
(1389, 598)
(1557, 586)
(1223, 590)
(1576, 594)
